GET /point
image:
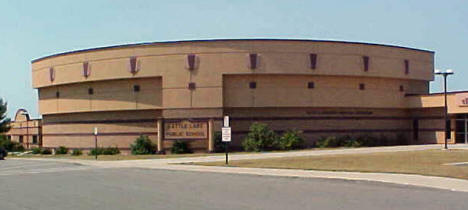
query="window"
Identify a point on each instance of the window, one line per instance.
(362, 86)
(310, 85)
(253, 60)
(191, 86)
(90, 91)
(253, 85)
(136, 88)
(20, 139)
(9, 138)
(402, 88)
(313, 60)
(407, 67)
(365, 60)
(191, 61)
(57, 94)
(34, 139)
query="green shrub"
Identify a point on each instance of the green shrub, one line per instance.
(111, 151)
(76, 152)
(143, 146)
(36, 150)
(329, 141)
(180, 147)
(104, 151)
(97, 151)
(61, 151)
(46, 151)
(218, 145)
(260, 138)
(10, 146)
(3, 153)
(291, 139)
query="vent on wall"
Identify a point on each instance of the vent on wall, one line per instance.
(51, 74)
(134, 68)
(86, 69)
(252, 85)
(362, 86)
(90, 91)
(407, 67)
(191, 62)
(365, 60)
(191, 86)
(136, 88)
(253, 59)
(310, 85)
(313, 60)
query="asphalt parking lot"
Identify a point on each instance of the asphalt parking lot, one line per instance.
(30, 184)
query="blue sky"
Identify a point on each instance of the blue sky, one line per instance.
(33, 29)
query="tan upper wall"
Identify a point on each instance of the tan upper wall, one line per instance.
(457, 102)
(231, 57)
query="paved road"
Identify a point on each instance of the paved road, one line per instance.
(55, 185)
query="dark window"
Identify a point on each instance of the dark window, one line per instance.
(310, 85)
(90, 91)
(365, 59)
(9, 137)
(407, 67)
(191, 61)
(191, 86)
(402, 88)
(362, 86)
(253, 60)
(415, 129)
(34, 139)
(313, 60)
(253, 85)
(57, 94)
(136, 88)
(20, 139)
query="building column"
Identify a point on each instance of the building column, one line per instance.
(160, 136)
(211, 143)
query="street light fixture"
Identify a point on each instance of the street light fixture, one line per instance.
(447, 121)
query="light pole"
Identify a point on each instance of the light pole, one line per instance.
(447, 121)
(26, 114)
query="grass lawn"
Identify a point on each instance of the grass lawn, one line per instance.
(428, 162)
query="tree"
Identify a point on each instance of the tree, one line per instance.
(4, 121)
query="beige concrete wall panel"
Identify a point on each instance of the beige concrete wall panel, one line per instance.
(176, 98)
(207, 97)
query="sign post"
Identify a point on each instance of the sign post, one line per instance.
(226, 136)
(95, 142)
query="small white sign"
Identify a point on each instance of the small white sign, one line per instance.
(95, 131)
(226, 121)
(226, 134)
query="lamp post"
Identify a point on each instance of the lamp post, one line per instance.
(26, 114)
(447, 121)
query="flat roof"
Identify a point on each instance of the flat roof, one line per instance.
(439, 93)
(219, 40)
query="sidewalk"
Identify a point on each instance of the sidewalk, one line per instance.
(404, 179)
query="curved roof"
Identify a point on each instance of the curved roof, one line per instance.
(219, 40)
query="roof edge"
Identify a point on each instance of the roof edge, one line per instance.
(220, 40)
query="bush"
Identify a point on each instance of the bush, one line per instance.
(46, 151)
(104, 151)
(260, 138)
(218, 145)
(180, 147)
(10, 146)
(3, 153)
(77, 152)
(143, 146)
(329, 141)
(111, 151)
(61, 151)
(290, 139)
(36, 150)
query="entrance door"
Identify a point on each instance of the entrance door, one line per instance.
(461, 132)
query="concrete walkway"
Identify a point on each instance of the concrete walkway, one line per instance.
(404, 179)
